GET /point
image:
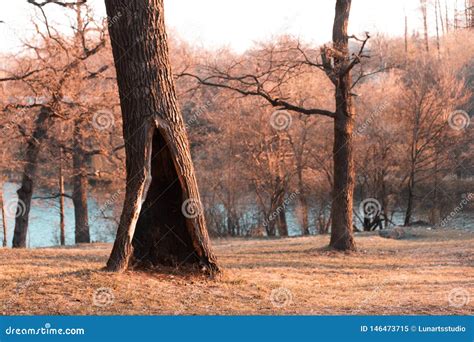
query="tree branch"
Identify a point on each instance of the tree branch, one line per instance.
(275, 102)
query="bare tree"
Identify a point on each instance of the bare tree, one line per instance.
(337, 62)
(430, 93)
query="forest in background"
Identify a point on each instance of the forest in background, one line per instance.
(262, 171)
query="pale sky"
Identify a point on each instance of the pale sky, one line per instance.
(238, 23)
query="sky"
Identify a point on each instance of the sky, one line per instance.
(237, 24)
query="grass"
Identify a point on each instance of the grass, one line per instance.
(431, 273)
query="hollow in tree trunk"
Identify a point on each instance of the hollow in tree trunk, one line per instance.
(162, 221)
(25, 192)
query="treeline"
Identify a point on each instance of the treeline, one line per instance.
(259, 166)
(262, 169)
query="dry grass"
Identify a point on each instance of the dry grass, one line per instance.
(384, 277)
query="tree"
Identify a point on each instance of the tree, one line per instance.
(25, 192)
(270, 77)
(52, 69)
(162, 221)
(430, 91)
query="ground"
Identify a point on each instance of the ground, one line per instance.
(430, 273)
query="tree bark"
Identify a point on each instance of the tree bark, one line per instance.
(25, 192)
(344, 172)
(156, 226)
(79, 194)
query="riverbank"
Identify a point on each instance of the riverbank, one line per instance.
(429, 273)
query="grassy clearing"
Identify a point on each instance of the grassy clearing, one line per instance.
(281, 276)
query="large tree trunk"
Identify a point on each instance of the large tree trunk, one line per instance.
(79, 194)
(162, 221)
(25, 192)
(344, 173)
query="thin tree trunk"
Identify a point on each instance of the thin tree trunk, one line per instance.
(406, 36)
(446, 14)
(281, 207)
(4, 218)
(62, 233)
(303, 204)
(436, 212)
(438, 46)
(409, 209)
(25, 192)
(79, 194)
(344, 172)
(455, 16)
(169, 228)
(469, 13)
(425, 23)
(281, 219)
(440, 13)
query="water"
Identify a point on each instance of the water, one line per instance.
(44, 220)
